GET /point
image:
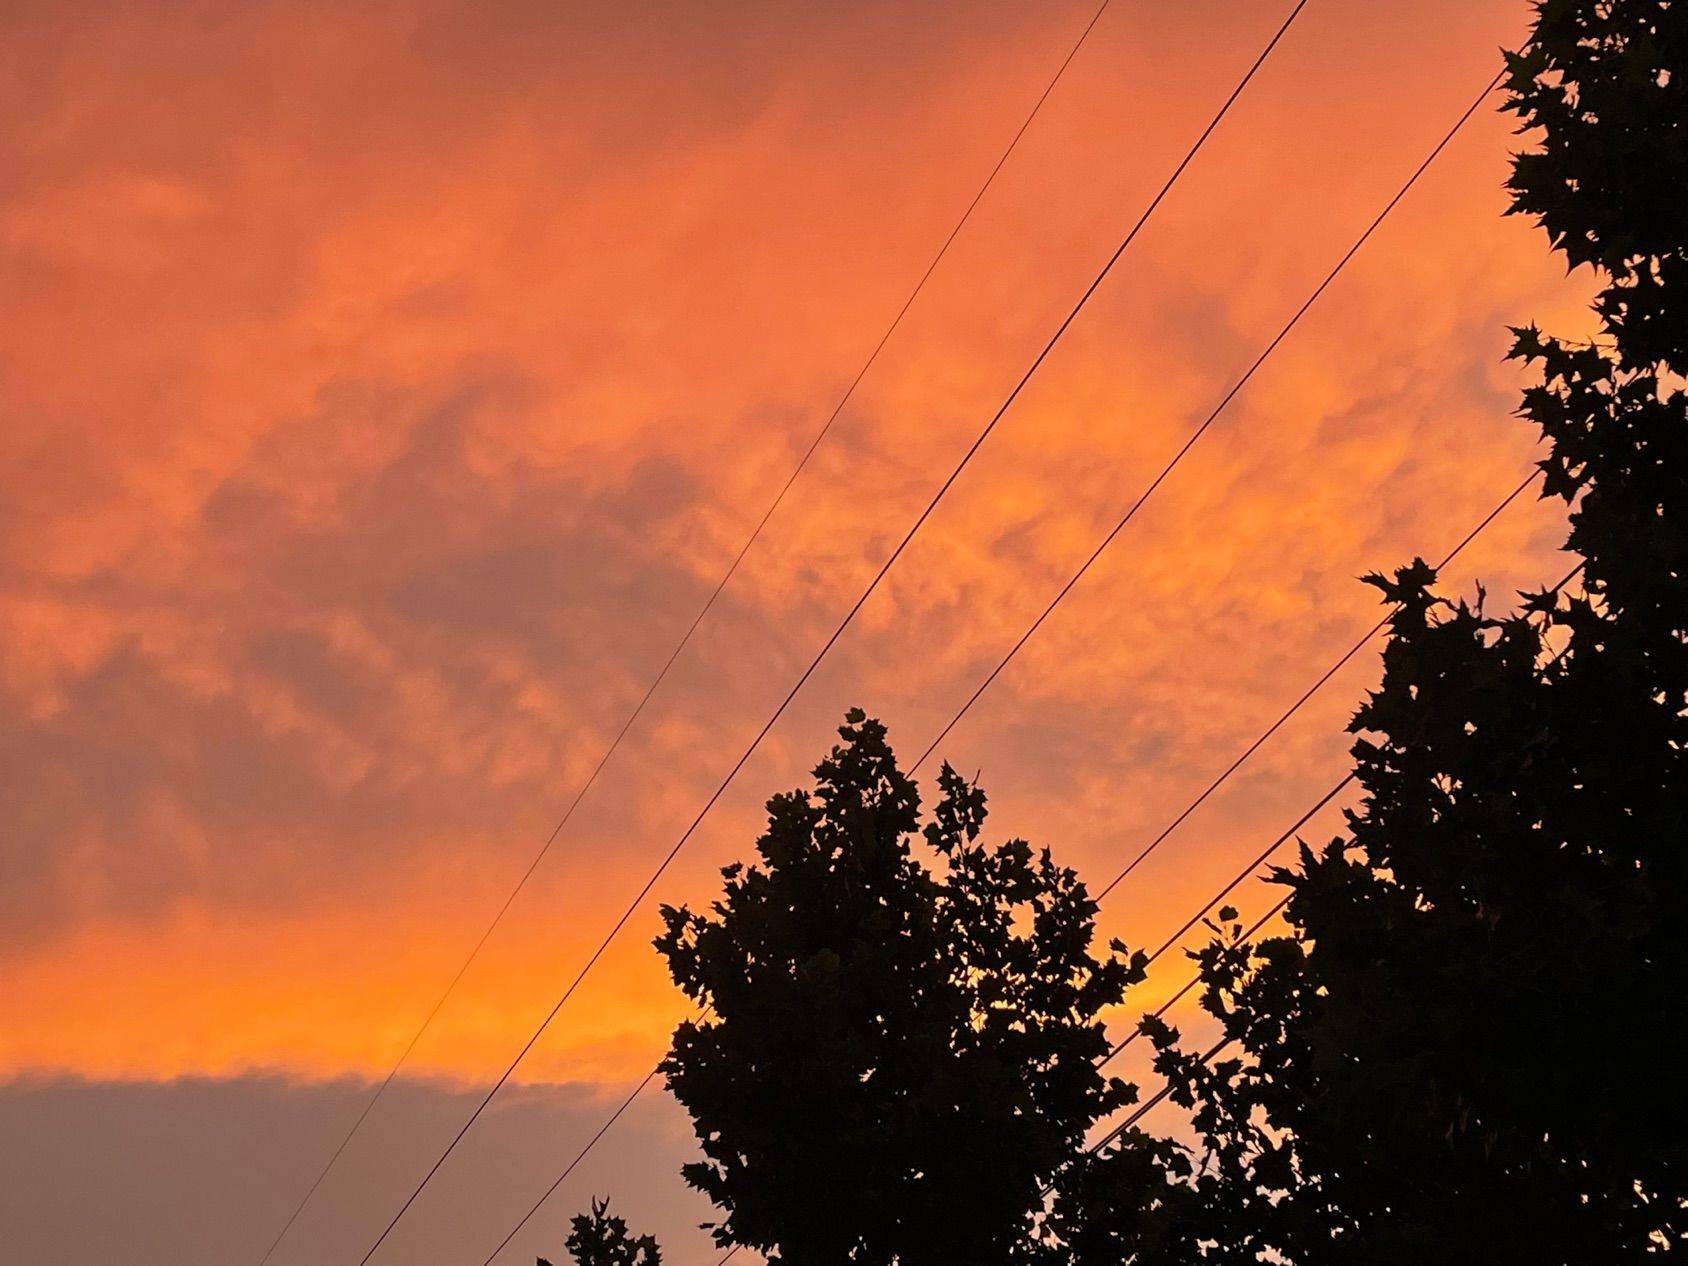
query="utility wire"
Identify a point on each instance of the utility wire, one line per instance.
(1283, 839)
(1260, 861)
(1188, 985)
(1195, 980)
(1147, 1107)
(1259, 923)
(1211, 417)
(686, 637)
(1191, 984)
(1207, 1056)
(1276, 907)
(1249, 869)
(1312, 690)
(1274, 727)
(574, 1164)
(1481, 526)
(844, 624)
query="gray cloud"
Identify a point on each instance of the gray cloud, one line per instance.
(204, 1172)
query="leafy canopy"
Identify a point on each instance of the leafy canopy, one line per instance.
(1463, 1049)
(600, 1239)
(903, 1024)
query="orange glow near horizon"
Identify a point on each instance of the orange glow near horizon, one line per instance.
(386, 388)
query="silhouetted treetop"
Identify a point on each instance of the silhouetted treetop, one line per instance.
(1460, 1053)
(601, 1239)
(1603, 84)
(903, 1029)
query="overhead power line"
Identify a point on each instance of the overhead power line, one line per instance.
(1276, 907)
(1276, 725)
(1212, 901)
(845, 623)
(1201, 430)
(1143, 1110)
(1208, 1055)
(574, 1164)
(686, 637)
(1254, 866)
(1160, 838)
(1185, 988)
(1295, 707)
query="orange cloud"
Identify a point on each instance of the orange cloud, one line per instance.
(386, 387)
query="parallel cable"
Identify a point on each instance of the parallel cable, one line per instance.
(1265, 855)
(575, 1163)
(1254, 866)
(1251, 868)
(1211, 417)
(1208, 1055)
(1188, 985)
(1236, 764)
(1259, 923)
(1143, 1111)
(1481, 526)
(1312, 690)
(686, 637)
(845, 623)
(1195, 980)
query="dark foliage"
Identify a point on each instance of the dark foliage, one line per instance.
(598, 1239)
(1466, 1049)
(1604, 84)
(903, 1028)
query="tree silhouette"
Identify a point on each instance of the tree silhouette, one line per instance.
(903, 1027)
(1465, 1049)
(598, 1239)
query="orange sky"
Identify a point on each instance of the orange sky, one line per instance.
(386, 385)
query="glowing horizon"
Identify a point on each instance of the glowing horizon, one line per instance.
(390, 390)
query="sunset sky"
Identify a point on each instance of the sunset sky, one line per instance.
(384, 387)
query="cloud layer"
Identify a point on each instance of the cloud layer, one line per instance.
(386, 387)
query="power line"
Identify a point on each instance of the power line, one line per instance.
(575, 1163)
(1259, 923)
(1481, 526)
(1259, 861)
(1171, 941)
(1276, 725)
(1207, 1056)
(1266, 854)
(1251, 868)
(1143, 1111)
(1312, 690)
(1178, 936)
(1276, 907)
(845, 623)
(686, 637)
(1188, 985)
(1209, 420)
